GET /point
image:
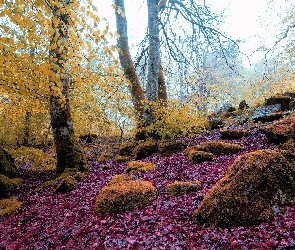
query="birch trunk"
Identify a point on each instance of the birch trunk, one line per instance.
(69, 152)
(153, 61)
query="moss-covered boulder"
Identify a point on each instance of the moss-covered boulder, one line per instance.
(88, 138)
(122, 196)
(218, 147)
(65, 185)
(282, 100)
(7, 166)
(127, 148)
(183, 187)
(121, 178)
(122, 158)
(8, 206)
(104, 156)
(8, 185)
(145, 149)
(255, 188)
(233, 133)
(168, 148)
(215, 121)
(196, 156)
(136, 166)
(280, 131)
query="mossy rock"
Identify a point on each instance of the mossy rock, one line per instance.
(8, 206)
(268, 117)
(280, 131)
(121, 158)
(7, 166)
(255, 188)
(121, 178)
(218, 147)
(65, 185)
(215, 121)
(123, 196)
(88, 138)
(233, 133)
(183, 187)
(8, 185)
(104, 156)
(127, 148)
(168, 148)
(145, 149)
(196, 156)
(282, 100)
(136, 166)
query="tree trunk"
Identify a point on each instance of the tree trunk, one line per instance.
(26, 136)
(127, 63)
(153, 61)
(162, 86)
(69, 152)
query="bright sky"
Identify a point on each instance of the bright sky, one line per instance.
(243, 20)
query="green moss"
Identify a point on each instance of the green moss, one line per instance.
(180, 188)
(168, 148)
(40, 161)
(104, 156)
(124, 196)
(7, 166)
(8, 185)
(8, 206)
(257, 186)
(196, 156)
(218, 147)
(135, 166)
(127, 148)
(145, 149)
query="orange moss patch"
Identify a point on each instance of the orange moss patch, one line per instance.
(135, 166)
(8, 206)
(124, 196)
(219, 147)
(121, 158)
(145, 149)
(180, 187)
(121, 178)
(256, 187)
(104, 156)
(168, 148)
(280, 131)
(232, 133)
(196, 156)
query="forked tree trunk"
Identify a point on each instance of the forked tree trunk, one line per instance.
(69, 152)
(153, 61)
(126, 61)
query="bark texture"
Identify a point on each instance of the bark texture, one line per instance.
(162, 86)
(126, 60)
(69, 152)
(153, 60)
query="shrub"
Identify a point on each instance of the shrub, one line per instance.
(8, 206)
(8, 185)
(180, 188)
(121, 178)
(121, 158)
(219, 148)
(135, 166)
(233, 133)
(104, 156)
(124, 196)
(145, 149)
(7, 166)
(255, 188)
(40, 161)
(127, 148)
(168, 148)
(196, 156)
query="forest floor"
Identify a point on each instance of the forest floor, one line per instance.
(68, 221)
